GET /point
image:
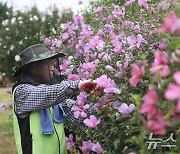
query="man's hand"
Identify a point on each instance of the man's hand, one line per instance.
(87, 85)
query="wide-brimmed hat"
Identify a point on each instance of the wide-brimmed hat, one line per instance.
(35, 53)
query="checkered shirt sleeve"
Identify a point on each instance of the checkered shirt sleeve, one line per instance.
(32, 98)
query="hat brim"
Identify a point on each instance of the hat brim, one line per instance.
(22, 68)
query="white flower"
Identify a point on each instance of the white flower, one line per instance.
(17, 58)
(19, 18)
(7, 29)
(11, 47)
(35, 17)
(70, 58)
(53, 30)
(20, 42)
(13, 20)
(5, 22)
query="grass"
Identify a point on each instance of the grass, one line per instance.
(7, 144)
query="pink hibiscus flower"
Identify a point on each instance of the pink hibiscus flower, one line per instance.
(157, 125)
(92, 122)
(160, 64)
(143, 3)
(81, 108)
(173, 90)
(150, 102)
(168, 23)
(87, 146)
(125, 110)
(136, 73)
(69, 141)
(136, 41)
(97, 148)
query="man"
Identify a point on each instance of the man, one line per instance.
(40, 107)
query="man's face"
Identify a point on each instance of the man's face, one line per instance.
(43, 71)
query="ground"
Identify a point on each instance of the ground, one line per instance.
(7, 144)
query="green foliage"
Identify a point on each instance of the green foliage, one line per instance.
(22, 29)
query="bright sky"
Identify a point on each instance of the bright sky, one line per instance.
(42, 5)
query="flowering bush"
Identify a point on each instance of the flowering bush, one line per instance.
(132, 54)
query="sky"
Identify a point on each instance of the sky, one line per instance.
(42, 5)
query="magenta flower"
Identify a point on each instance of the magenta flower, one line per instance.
(168, 23)
(9, 91)
(158, 124)
(150, 36)
(77, 19)
(89, 67)
(112, 88)
(118, 48)
(118, 11)
(176, 27)
(92, 122)
(175, 56)
(150, 102)
(136, 41)
(103, 81)
(56, 43)
(173, 90)
(3, 107)
(136, 73)
(137, 28)
(108, 28)
(97, 42)
(125, 110)
(82, 97)
(80, 109)
(73, 77)
(47, 41)
(117, 104)
(128, 2)
(162, 45)
(69, 141)
(97, 148)
(143, 3)
(87, 146)
(127, 23)
(66, 25)
(160, 64)
(65, 36)
(164, 4)
(99, 9)
(98, 106)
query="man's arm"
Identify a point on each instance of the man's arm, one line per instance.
(30, 98)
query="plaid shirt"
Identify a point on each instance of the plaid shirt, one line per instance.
(33, 98)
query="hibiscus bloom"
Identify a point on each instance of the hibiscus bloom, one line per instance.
(173, 90)
(157, 125)
(92, 122)
(160, 64)
(136, 73)
(69, 141)
(150, 102)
